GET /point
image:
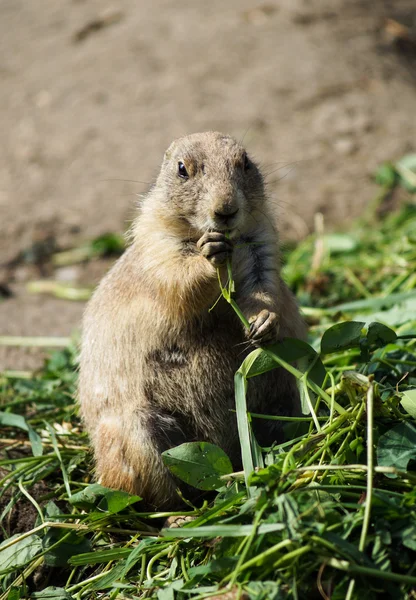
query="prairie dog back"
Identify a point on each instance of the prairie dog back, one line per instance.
(157, 366)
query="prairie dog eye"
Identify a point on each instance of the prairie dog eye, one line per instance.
(246, 163)
(182, 172)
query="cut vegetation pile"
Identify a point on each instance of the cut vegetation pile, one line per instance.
(329, 513)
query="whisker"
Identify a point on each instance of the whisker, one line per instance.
(272, 199)
(282, 163)
(267, 174)
(250, 214)
(126, 180)
(244, 136)
(266, 216)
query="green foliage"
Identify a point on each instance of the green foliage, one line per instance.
(199, 463)
(20, 552)
(408, 402)
(396, 447)
(107, 244)
(52, 593)
(329, 508)
(375, 280)
(341, 337)
(403, 172)
(96, 495)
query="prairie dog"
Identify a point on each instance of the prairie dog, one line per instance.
(157, 366)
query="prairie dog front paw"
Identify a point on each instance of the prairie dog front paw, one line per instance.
(264, 328)
(215, 247)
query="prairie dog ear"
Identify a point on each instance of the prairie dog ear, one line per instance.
(169, 151)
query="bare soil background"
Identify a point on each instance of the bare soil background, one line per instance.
(92, 93)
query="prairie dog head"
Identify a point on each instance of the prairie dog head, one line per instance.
(208, 183)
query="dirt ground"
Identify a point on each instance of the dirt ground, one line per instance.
(91, 94)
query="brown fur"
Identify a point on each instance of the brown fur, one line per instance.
(156, 365)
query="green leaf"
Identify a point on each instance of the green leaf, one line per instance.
(289, 515)
(108, 243)
(15, 593)
(52, 510)
(109, 578)
(374, 303)
(213, 531)
(70, 544)
(265, 590)
(408, 402)
(342, 336)
(386, 175)
(396, 447)
(199, 464)
(115, 501)
(316, 372)
(247, 364)
(52, 593)
(398, 314)
(290, 350)
(100, 556)
(89, 497)
(35, 440)
(167, 593)
(20, 552)
(406, 167)
(240, 386)
(340, 243)
(380, 335)
(104, 499)
(135, 555)
(13, 420)
(349, 550)
(219, 565)
(408, 537)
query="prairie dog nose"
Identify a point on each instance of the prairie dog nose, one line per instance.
(226, 213)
